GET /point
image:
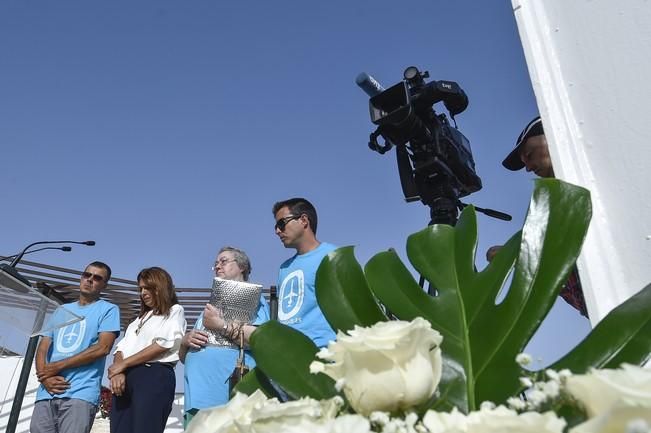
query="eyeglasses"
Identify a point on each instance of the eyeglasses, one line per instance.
(222, 263)
(90, 276)
(282, 223)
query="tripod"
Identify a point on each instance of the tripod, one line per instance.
(444, 206)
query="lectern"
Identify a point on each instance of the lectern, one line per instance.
(24, 314)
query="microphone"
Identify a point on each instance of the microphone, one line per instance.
(22, 253)
(369, 84)
(66, 249)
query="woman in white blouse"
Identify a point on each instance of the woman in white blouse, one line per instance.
(142, 375)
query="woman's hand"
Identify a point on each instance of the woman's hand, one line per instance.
(195, 339)
(118, 384)
(213, 318)
(118, 367)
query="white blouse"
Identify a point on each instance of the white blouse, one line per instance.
(166, 331)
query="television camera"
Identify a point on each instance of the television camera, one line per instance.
(434, 158)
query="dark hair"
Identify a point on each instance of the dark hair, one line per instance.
(103, 266)
(298, 206)
(241, 259)
(159, 283)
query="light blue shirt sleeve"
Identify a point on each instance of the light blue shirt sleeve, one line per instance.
(110, 322)
(263, 312)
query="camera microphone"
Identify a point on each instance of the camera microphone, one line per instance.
(369, 84)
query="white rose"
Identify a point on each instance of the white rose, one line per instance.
(256, 413)
(599, 390)
(622, 417)
(444, 422)
(342, 424)
(222, 419)
(503, 420)
(498, 420)
(304, 415)
(390, 366)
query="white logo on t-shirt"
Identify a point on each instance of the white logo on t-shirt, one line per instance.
(291, 294)
(70, 337)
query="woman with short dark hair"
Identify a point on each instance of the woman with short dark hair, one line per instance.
(208, 364)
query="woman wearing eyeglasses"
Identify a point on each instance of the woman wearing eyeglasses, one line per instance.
(142, 375)
(208, 366)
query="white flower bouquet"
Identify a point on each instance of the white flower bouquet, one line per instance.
(373, 367)
(448, 363)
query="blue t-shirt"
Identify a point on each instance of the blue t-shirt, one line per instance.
(297, 306)
(85, 380)
(207, 370)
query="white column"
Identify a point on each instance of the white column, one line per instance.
(590, 66)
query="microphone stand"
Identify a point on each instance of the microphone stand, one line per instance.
(37, 250)
(22, 253)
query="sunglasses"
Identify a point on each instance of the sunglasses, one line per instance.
(282, 223)
(90, 276)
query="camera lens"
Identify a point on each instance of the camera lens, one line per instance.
(411, 73)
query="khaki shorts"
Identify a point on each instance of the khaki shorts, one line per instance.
(62, 415)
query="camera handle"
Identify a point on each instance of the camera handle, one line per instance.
(375, 146)
(490, 212)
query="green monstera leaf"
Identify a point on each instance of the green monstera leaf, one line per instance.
(343, 294)
(481, 336)
(284, 354)
(253, 380)
(624, 335)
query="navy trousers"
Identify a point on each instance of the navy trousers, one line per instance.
(147, 401)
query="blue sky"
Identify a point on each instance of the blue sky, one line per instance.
(164, 129)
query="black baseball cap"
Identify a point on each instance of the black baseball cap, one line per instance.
(534, 128)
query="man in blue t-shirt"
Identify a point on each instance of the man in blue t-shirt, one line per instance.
(70, 360)
(296, 223)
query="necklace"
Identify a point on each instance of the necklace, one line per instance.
(143, 321)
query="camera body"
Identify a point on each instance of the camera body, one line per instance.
(434, 158)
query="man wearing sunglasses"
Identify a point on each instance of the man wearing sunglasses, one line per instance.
(70, 360)
(296, 223)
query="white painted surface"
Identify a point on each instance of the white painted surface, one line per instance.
(590, 63)
(10, 371)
